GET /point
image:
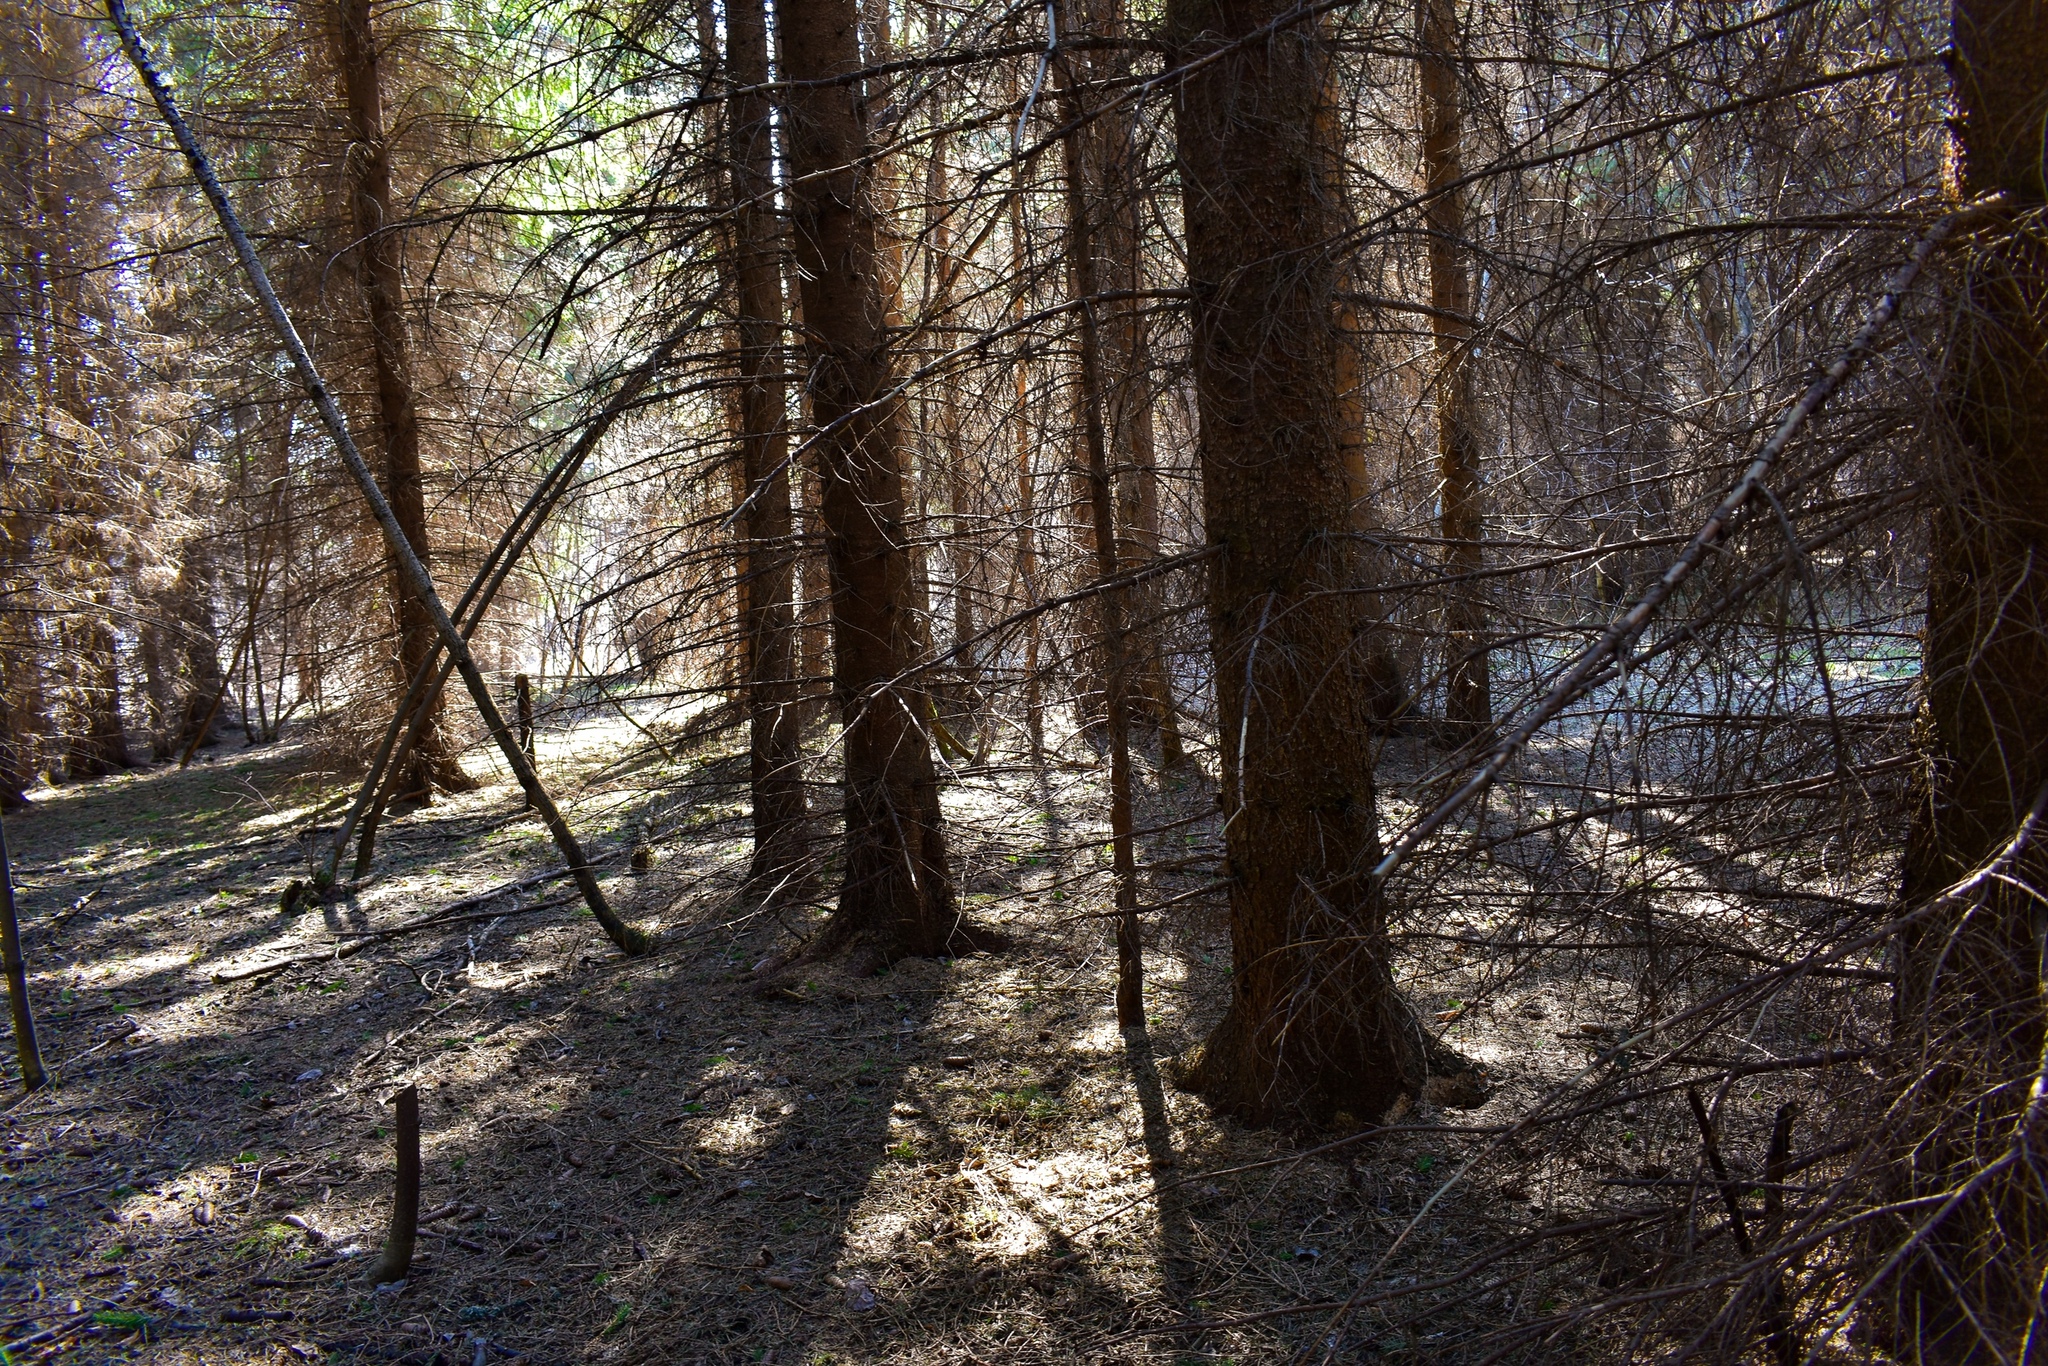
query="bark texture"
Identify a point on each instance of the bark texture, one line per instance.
(1970, 991)
(1315, 1026)
(896, 898)
(1468, 691)
(432, 763)
(1107, 173)
(768, 625)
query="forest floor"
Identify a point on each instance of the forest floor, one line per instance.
(643, 1160)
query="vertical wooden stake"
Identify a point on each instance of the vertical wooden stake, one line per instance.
(33, 1078)
(405, 1204)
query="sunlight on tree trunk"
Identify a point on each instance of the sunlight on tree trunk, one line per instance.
(769, 629)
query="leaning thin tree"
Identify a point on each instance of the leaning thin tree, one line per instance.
(628, 939)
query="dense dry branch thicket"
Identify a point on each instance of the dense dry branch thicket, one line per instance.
(1264, 400)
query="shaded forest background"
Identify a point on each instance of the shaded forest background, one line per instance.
(1330, 411)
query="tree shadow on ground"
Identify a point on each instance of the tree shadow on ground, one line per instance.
(612, 1143)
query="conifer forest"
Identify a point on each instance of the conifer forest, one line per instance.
(1024, 681)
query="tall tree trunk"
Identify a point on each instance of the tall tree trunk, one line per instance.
(1109, 610)
(1315, 1026)
(1468, 690)
(433, 761)
(1112, 179)
(1027, 489)
(1970, 990)
(769, 625)
(897, 897)
(1380, 669)
(960, 497)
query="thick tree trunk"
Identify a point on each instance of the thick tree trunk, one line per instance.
(1468, 690)
(1315, 1026)
(1970, 990)
(897, 897)
(433, 762)
(769, 624)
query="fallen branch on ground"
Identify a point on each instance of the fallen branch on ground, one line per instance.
(349, 944)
